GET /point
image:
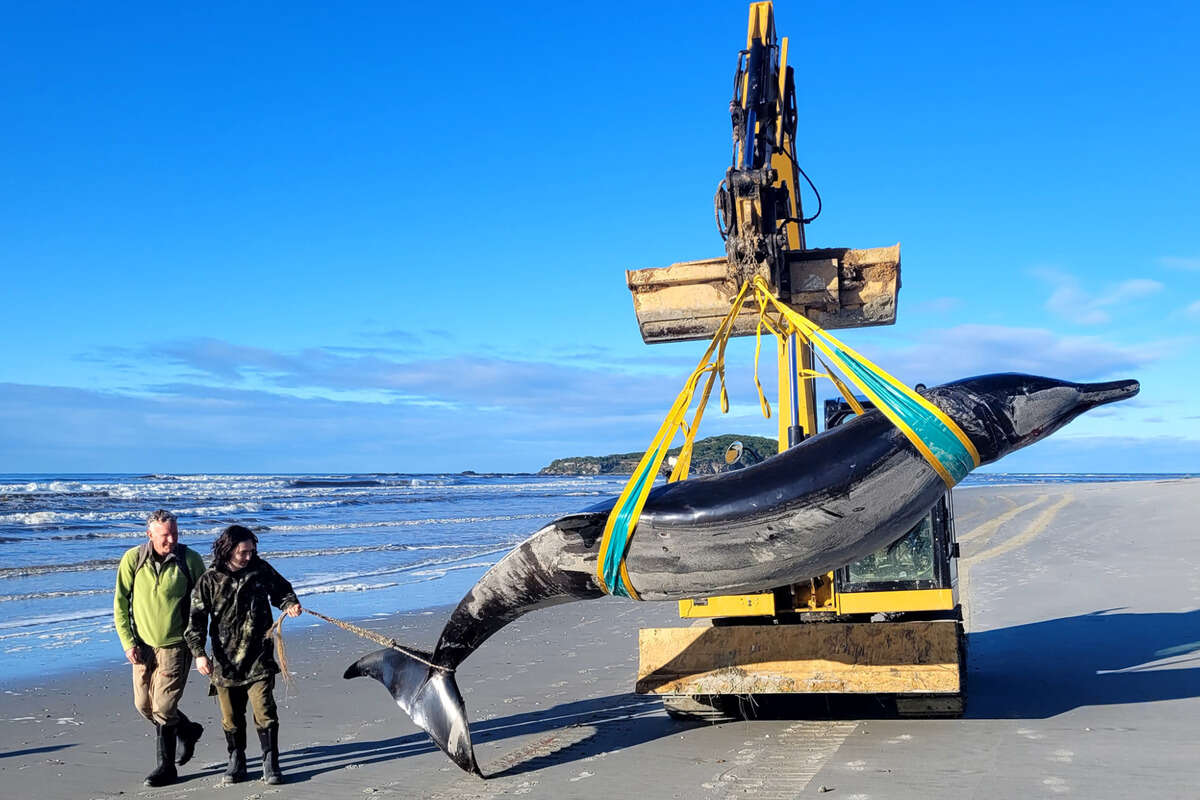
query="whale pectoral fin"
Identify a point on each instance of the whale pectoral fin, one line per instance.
(428, 695)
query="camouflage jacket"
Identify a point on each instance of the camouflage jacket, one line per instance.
(235, 607)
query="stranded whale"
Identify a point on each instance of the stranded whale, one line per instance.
(822, 504)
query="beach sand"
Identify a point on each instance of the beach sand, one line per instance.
(1081, 605)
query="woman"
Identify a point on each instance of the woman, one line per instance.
(233, 601)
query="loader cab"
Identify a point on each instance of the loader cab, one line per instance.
(916, 574)
(915, 577)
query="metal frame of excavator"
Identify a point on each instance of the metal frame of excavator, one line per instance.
(903, 642)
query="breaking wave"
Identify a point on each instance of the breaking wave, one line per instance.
(36, 518)
(94, 565)
(405, 523)
(348, 536)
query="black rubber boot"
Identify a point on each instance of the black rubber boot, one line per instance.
(236, 742)
(165, 773)
(269, 739)
(188, 733)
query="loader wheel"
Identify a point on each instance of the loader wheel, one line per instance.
(701, 708)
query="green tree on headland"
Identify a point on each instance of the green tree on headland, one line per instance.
(708, 457)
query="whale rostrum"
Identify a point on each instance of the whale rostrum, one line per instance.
(818, 506)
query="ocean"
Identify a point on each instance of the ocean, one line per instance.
(353, 546)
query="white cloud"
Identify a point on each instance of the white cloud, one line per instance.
(963, 350)
(453, 381)
(190, 428)
(253, 409)
(1073, 302)
(1174, 262)
(1081, 306)
(1193, 310)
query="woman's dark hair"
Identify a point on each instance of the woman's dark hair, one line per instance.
(229, 539)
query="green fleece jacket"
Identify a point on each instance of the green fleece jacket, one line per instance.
(150, 604)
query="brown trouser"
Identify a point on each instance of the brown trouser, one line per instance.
(232, 700)
(158, 682)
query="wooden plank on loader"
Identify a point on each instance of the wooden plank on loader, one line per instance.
(829, 657)
(835, 288)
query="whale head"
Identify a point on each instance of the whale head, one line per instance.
(1004, 412)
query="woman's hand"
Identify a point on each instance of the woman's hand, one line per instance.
(294, 610)
(203, 665)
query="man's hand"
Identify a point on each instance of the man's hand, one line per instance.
(294, 610)
(203, 665)
(134, 655)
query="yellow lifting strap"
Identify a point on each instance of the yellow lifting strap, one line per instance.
(610, 566)
(938, 439)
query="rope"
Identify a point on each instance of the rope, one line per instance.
(276, 631)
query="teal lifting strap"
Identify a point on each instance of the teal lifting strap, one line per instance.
(940, 440)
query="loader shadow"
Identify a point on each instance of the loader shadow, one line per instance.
(1034, 670)
(586, 728)
(1042, 669)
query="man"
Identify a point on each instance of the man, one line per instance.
(232, 605)
(150, 609)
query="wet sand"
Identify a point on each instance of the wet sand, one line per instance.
(1082, 611)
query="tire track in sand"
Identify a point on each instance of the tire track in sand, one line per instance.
(1031, 532)
(779, 765)
(986, 529)
(535, 756)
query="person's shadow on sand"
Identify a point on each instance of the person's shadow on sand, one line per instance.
(1045, 668)
(585, 728)
(29, 751)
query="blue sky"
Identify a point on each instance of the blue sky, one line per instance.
(298, 238)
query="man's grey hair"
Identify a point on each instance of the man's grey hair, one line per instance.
(162, 515)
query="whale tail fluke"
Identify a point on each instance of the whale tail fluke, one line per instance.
(429, 695)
